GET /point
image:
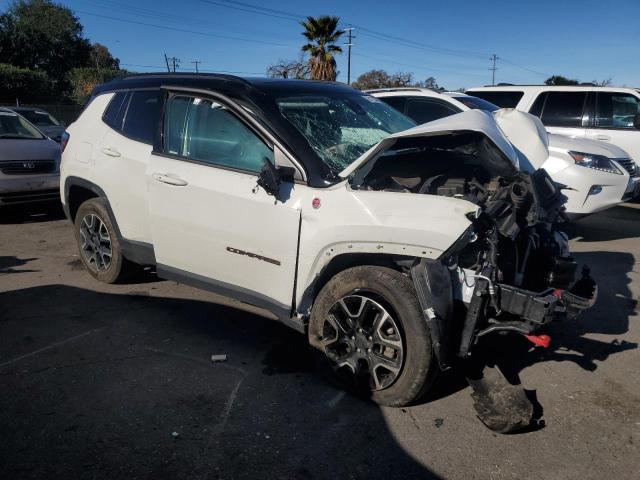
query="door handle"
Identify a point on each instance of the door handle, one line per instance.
(169, 179)
(111, 152)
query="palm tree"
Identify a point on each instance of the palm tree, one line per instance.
(321, 34)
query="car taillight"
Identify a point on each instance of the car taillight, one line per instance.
(64, 139)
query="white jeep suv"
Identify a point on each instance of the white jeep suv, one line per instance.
(396, 249)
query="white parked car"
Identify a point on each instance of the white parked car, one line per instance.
(608, 114)
(603, 184)
(29, 162)
(395, 248)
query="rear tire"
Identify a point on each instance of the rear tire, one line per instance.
(369, 336)
(98, 243)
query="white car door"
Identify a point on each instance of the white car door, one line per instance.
(613, 123)
(211, 224)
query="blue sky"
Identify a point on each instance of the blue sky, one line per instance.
(452, 42)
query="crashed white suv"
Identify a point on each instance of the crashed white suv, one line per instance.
(397, 249)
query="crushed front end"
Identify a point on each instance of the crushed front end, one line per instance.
(510, 272)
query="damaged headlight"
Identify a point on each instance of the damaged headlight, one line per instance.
(597, 162)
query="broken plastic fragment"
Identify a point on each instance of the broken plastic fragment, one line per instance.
(218, 358)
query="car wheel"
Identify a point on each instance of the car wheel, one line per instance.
(98, 243)
(369, 336)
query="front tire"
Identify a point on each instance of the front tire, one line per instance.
(98, 243)
(369, 336)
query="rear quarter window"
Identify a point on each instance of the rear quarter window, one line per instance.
(507, 99)
(142, 116)
(114, 113)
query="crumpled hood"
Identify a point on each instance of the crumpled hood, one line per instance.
(496, 128)
(527, 135)
(36, 149)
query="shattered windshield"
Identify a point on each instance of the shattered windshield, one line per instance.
(342, 127)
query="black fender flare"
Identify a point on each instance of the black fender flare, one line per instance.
(138, 252)
(432, 282)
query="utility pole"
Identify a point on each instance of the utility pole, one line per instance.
(176, 63)
(196, 62)
(493, 58)
(166, 60)
(351, 37)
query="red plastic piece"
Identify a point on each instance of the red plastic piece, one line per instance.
(557, 293)
(539, 340)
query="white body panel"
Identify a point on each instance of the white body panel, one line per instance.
(202, 227)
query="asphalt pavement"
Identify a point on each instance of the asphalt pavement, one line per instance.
(116, 381)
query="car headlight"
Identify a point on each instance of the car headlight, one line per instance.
(597, 162)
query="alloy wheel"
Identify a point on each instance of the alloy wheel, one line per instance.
(361, 338)
(95, 242)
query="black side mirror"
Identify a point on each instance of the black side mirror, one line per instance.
(636, 121)
(271, 177)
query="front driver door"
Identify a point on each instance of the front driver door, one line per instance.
(210, 223)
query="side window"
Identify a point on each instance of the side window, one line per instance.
(396, 102)
(538, 105)
(114, 113)
(424, 110)
(506, 99)
(616, 110)
(204, 130)
(143, 115)
(563, 109)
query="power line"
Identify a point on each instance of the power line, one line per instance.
(196, 62)
(195, 32)
(502, 59)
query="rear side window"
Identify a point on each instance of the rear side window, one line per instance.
(206, 131)
(423, 110)
(616, 110)
(508, 99)
(143, 115)
(563, 109)
(396, 102)
(114, 113)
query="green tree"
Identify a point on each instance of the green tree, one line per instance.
(42, 35)
(100, 57)
(382, 79)
(23, 85)
(83, 80)
(560, 80)
(322, 34)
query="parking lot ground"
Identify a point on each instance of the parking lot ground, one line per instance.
(102, 381)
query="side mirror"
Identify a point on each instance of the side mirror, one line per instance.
(271, 177)
(636, 121)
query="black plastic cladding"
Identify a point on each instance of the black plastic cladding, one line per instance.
(258, 94)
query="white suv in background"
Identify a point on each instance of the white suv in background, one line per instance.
(608, 114)
(604, 182)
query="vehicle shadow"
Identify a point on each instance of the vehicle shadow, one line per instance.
(122, 386)
(8, 264)
(598, 227)
(31, 213)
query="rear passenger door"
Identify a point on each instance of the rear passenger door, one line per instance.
(212, 226)
(133, 118)
(563, 112)
(613, 122)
